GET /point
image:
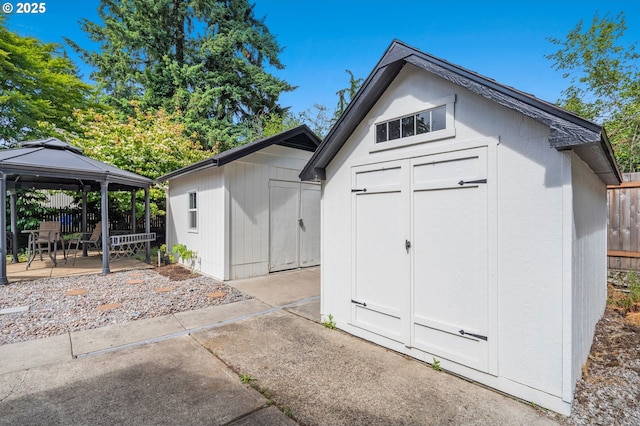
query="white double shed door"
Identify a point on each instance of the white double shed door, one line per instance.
(421, 232)
(294, 225)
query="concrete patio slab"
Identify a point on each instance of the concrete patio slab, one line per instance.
(329, 377)
(84, 266)
(171, 382)
(323, 376)
(270, 416)
(34, 353)
(14, 310)
(282, 288)
(216, 314)
(310, 310)
(87, 341)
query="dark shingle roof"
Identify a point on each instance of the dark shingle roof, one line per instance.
(300, 137)
(567, 130)
(54, 164)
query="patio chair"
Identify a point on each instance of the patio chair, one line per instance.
(44, 239)
(87, 238)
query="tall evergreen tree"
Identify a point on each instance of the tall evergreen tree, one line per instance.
(39, 88)
(347, 94)
(202, 59)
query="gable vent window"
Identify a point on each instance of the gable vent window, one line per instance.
(428, 121)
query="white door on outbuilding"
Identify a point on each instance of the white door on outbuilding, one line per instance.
(421, 238)
(380, 220)
(309, 224)
(294, 225)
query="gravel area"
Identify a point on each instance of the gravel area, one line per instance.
(59, 305)
(609, 391)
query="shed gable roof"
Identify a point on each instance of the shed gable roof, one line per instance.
(567, 130)
(300, 137)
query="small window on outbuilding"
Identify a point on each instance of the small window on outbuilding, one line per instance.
(434, 121)
(427, 121)
(193, 211)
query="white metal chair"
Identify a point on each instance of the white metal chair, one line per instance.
(87, 238)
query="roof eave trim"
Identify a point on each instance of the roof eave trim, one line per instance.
(234, 154)
(200, 165)
(611, 157)
(141, 182)
(277, 139)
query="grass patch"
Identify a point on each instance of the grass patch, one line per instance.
(435, 365)
(247, 379)
(629, 300)
(329, 323)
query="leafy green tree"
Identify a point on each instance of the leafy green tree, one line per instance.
(30, 209)
(148, 143)
(38, 86)
(603, 71)
(202, 60)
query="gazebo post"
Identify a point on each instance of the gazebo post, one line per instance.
(83, 226)
(14, 226)
(104, 203)
(3, 226)
(133, 211)
(147, 225)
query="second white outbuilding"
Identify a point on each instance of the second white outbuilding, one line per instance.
(245, 211)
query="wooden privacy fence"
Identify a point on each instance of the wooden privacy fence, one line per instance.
(623, 243)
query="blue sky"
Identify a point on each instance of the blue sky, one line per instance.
(503, 40)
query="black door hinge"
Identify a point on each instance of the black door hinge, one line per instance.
(359, 190)
(462, 182)
(358, 303)
(464, 333)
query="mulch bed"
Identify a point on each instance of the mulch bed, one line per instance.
(176, 272)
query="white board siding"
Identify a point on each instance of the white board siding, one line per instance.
(248, 183)
(232, 239)
(529, 270)
(589, 262)
(209, 240)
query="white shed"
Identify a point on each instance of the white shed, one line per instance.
(465, 221)
(245, 211)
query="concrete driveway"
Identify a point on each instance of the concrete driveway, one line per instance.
(186, 368)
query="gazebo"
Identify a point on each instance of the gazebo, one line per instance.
(54, 164)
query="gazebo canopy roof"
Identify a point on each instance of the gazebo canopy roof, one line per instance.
(54, 164)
